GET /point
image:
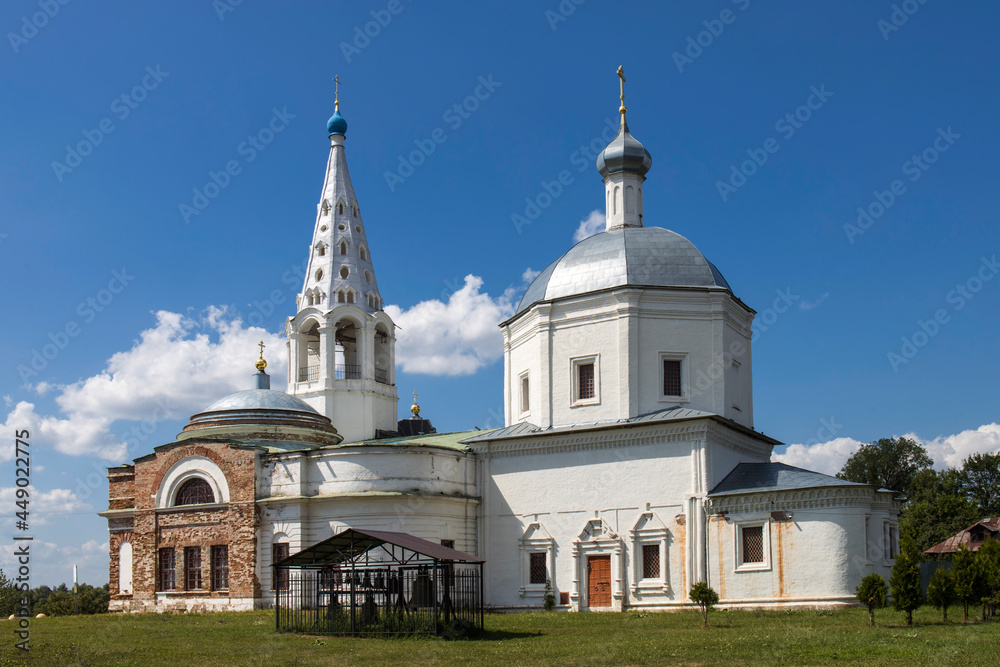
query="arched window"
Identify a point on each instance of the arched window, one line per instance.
(364, 253)
(195, 491)
(343, 247)
(321, 250)
(350, 297)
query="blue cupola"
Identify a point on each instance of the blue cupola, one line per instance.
(337, 124)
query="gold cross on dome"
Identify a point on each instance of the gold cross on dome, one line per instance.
(336, 98)
(261, 346)
(621, 84)
(414, 396)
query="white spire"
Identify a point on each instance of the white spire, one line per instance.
(340, 267)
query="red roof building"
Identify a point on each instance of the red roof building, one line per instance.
(972, 537)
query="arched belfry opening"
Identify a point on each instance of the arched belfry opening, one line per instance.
(309, 354)
(383, 354)
(347, 352)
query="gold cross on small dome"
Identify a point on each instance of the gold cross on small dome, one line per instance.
(336, 94)
(621, 84)
(261, 364)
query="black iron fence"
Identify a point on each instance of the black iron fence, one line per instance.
(444, 598)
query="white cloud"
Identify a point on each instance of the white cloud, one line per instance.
(529, 275)
(42, 503)
(947, 451)
(52, 564)
(176, 368)
(809, 305)
(592, 224)
(454, 338)
(826, 457)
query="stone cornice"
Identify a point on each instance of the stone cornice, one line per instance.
(792, 499)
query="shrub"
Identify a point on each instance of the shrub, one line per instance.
(941, 591)
(705, 597)
(905, 584)
(872, 593)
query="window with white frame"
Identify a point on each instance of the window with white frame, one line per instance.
(649, 555)
(736, 386)
(525, 388)
(673, 376)
(537, 561)
(586, 378)
(753, 542)
(890, 541)
(868, 538)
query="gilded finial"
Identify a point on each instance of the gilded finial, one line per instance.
(621, 84)
(336, 94)
(415, 409)
(261, 364)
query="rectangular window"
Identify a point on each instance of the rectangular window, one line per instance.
(167, 569)
(868, 548)
(650, 561)
(192, 568)
(448, 543)
(220, 567)
(672, 377)
(753, 544)
(538, 571)
(525, 397)
(893, 542)
(279, 580)
(585, 381)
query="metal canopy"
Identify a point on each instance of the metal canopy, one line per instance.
(351, 543)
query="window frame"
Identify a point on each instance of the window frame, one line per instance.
(524, 397)
(535, 557)
(192, 569)
(536, 539)
(685, 395)
(575, 364)
(765, 534)
(220, 571)
(650, 531)
(162, 569)
(183, 486)
(280, 580)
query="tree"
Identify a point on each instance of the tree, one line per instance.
(905, 585)
(981, 477)
(706, 598)
(938, 508)
(968, 579)
(988, 560)
(9, 596)
(872, 593)
(941, 591)
(887, 463)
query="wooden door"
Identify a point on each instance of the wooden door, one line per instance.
(599, 581)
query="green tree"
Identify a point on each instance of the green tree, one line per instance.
(988, 559)
(705, 597)
(981, 476)
(938, 508)
(9, 596)
(968, 579)
(872, 593)
(941, 591)
(905, 585)
(887, 463)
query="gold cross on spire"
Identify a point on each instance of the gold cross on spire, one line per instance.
(261, 364)
(415, 409)
(336, 94)
(621, 75)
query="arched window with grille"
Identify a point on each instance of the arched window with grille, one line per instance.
(195, 491)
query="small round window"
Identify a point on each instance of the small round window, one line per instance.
(322, 228)
(357, 229)
(341, 227)
(344, 272)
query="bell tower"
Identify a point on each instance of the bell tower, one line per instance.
(341, 343)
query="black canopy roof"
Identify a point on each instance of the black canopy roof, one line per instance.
(351, 543)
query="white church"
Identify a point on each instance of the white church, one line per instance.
(628, 468)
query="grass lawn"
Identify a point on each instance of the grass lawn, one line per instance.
(511, 640)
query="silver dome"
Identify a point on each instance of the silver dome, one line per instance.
(639, 256)
(257, 399)
(624, 153)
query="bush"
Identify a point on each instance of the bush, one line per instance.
(941, 591)
(705, 597)
(905, 584)
(872, 593)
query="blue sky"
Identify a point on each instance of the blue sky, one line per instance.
(149, 314)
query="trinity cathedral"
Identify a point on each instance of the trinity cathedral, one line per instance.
(628, 467)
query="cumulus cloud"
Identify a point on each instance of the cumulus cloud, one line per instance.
(457, 337)
(529, 275)
(176, 368)
(947, 451)
(805, 304)
(592, 224)
(52, 564)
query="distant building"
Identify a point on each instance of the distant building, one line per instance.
(628, 468)
(972, 537)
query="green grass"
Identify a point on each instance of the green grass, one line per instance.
(511, 640)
